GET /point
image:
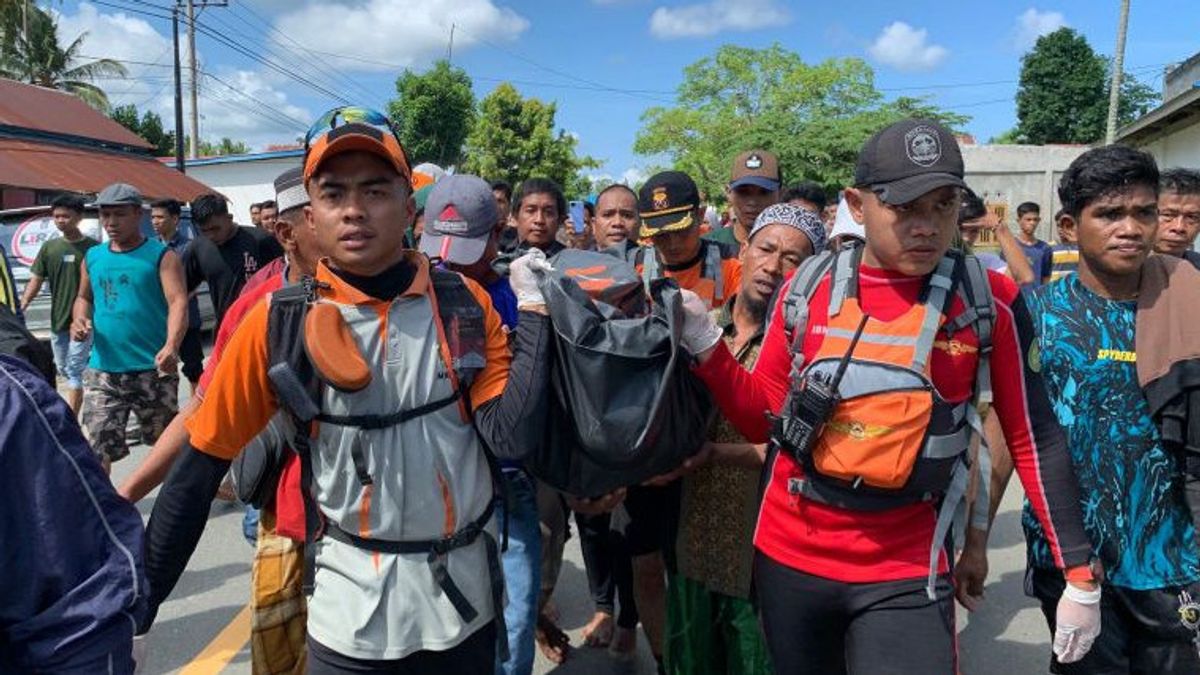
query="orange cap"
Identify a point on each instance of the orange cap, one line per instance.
(360, 137)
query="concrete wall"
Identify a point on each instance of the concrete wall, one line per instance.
(1181, 78)
(243, 182)
(1007, 175)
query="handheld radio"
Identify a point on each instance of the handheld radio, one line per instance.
(812, 406)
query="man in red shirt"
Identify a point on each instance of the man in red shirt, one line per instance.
(842, 563)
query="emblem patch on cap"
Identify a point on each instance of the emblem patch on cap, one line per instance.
(923, 145)
(660, 198)
(754, 162)
(449, 222)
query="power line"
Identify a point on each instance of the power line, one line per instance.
(298, 47)
(274, 112)
(303, 65)
(244, 51)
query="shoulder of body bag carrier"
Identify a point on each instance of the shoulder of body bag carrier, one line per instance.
(459, 312)
(971, 285)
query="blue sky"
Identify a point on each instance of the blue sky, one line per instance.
(603, 61)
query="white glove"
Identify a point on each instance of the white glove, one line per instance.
(1077, 623)
(139, 653)
(700, 332)
(523, 277)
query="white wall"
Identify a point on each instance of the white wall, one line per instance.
(1012, 174)
(1179, 148)
(243, 182)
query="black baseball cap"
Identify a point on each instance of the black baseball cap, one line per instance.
(667, 202)
(908, 159)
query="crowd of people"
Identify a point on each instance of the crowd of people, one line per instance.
(384, 360)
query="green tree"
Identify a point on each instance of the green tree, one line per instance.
(127, 116)
(36, 57)
(149, 126)
(514, 138)
(1063, 92)
(151, 129)
(814, 117)
(433, 112)
(226, 146)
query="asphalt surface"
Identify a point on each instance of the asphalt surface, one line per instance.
(1006, 636)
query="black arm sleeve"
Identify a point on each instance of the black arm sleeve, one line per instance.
(192, 274)
(512, 423)
(177, 521)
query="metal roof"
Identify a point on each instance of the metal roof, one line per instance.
(235, 159)
(53, 166)
(49, 111)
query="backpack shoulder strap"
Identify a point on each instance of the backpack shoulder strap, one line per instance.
(711, 269)
(463, 325)
(795, 303)
(464, 328)
(291, 373)
(650, 265)
(297, 387)
(937, 299)
(976, 293)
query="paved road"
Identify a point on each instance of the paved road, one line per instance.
(204, 618)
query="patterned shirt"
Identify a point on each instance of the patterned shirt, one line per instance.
(720, 501)
(1065, 260)
(1131, 488)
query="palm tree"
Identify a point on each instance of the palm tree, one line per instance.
(35, 56)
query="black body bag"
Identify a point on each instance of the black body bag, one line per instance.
(625, 405)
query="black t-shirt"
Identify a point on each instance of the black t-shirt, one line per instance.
(227, 267)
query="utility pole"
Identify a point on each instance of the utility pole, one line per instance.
(450, 47)
(193, 149)
(190, 6)
(179, 161)
(1114, 93)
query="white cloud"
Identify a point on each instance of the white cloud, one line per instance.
(715, 16)
(1032, 24)
(634, 176)
(146, 53)
(399, 32)
(906, 48)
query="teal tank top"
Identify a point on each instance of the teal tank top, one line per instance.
(129, 316)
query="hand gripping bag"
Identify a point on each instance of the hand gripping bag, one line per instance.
(624, 404)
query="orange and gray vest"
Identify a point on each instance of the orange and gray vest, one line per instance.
(892, 439)
(302, 352)
(712, 255)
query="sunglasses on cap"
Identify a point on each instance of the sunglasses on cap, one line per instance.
(363, 121)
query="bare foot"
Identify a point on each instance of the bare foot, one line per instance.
(624, 643)
(599, 631)
(226, 493)
(551, 639)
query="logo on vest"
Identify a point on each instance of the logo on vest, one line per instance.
(923, 146)
(954, 347)
(859, 431)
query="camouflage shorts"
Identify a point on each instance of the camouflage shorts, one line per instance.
(108, 398)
